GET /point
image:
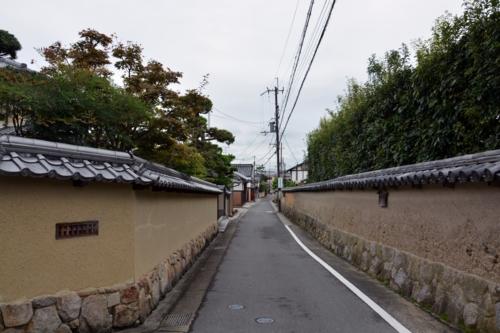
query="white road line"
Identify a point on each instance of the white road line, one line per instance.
(387, 317)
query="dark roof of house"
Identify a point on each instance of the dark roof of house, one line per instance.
(38, 158)
(241, 176)
(244, 169)
(468, 168)
(297, 165)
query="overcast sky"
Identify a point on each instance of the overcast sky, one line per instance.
(240, 44)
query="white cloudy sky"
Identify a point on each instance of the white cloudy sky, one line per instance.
(240, 43)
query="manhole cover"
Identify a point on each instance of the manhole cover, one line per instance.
(235, 306)
(265, 320)
(177, 320)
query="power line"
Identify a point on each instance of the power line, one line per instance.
(312, 41)
(243, 121)
(290, 150)
(237, 121)
(297, 57)
(310, 64)
(248, 146)
(250, 154)
(286, 43)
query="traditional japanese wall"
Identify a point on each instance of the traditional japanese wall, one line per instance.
(33, 262)
(439, 246)
(164, 222)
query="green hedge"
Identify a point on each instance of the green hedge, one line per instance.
(445, 103)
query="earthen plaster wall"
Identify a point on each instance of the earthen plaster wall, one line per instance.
(33, 262)
(164, 222)
(458, 227)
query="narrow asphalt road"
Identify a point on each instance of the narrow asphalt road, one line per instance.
(271, 276)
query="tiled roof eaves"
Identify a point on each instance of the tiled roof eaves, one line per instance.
(33, 146)
(38, 158)
(483, 166)
(241, 176)
(172, 179)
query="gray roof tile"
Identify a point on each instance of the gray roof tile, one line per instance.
(483, 166)
(37, 158)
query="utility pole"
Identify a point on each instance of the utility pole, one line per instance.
(276, 126)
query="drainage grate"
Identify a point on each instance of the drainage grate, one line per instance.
(177, 320)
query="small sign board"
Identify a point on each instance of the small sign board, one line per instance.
(280, 195)
(280, 182)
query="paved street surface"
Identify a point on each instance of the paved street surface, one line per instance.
(271, 276)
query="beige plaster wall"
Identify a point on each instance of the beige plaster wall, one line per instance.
(164, 222)
(33, 262)
(435, 223)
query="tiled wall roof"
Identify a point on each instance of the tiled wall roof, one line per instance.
(244, 169)
(38, 158)
(468, 168)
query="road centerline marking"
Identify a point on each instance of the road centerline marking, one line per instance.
(374, 306)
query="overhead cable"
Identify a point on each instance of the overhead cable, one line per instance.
(297, 57)
(310, 64)
(286, 43)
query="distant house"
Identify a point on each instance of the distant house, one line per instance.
(243, 183)
(298, 173)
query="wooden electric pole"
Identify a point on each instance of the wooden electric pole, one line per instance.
(276, 129)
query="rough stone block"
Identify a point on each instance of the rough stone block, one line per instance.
(63, 329)
(400, 277)
(83, 327)
(165, 285)
(44, 320)
(74, 323)
(375, 266)
(87, 292)
(129, 293)
(68, 306)
(125, 315)
(474, 288)
(425, 295)
(113, 299)
(155, 294)
(17, 313)
(470, 315)
(426, 272)
(487, 307)
(144, 305)
(95, 312)
(43, 301)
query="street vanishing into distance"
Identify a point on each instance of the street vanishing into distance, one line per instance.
(266, 275)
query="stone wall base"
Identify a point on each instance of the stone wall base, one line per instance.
(464, 299)
(100, 309)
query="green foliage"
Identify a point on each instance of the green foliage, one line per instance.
(444, 317)
(287, 183)
(261, 171)
(262, 186)
(9, 45)
(73, 100)
(444, 104)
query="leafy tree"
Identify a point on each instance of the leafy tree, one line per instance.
(74, 100)
(261, 171)
(9, 45)
(445, 104)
